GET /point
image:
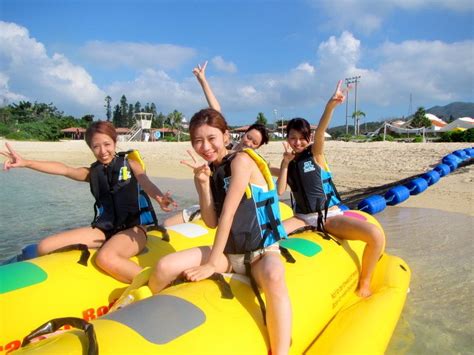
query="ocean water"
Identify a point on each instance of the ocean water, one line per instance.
(437, 245)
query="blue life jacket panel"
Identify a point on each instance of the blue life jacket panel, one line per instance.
(120, 202)
(311, 186)
(257, 221)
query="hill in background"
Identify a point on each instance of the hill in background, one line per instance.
(447, 113)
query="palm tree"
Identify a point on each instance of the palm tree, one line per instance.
(176, 118)
(356, 116)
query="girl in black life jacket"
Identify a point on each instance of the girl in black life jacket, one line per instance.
(117, 243)
(209, 137)
(254, 137)
(304, 168)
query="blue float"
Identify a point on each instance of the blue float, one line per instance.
(431, 177)
(469, 152)
(461, 154)
(343, 207)
(442, 169)
(396, 195)
(417, 186)
(29, 252)
(452, 161)
(372, 204)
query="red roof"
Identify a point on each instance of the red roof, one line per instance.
(73, 130)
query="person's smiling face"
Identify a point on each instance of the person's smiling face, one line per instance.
(297, 141)
(103, 148)
(210, 143)
(252, 139)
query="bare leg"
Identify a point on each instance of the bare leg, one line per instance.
(114, 256)
(292, 224)
(174, 219)
(269, 273)
(171, 266)
(349, 228)
(92, 237)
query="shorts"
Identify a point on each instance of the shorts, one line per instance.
(110, 233)
(191, 213)
(237, 260)
(311, 219)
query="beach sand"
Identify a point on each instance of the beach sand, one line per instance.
(354, 165)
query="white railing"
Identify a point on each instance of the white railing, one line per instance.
(135, 132)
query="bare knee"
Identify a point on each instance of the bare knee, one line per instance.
(106, 259)
(44, 247)
(273, 277)
(376, 237)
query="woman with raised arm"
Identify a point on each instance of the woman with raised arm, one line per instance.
(305, 170)
(254, 137)
(123, 209)
(246, 236)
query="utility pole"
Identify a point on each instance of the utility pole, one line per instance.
(353, 80)
(347, 104)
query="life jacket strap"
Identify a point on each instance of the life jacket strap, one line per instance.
(164, 232)
(85, 253)
(273, 223)
(54, 324)
(287, 255)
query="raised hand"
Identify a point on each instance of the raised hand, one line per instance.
(202, 172)
(14, 160)
(289, 154)
(200, 72)
(167, 204)
(340, 94)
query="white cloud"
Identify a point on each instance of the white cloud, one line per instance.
(367, 16)
(221, 65)
(29, 73)
(137, 55)
(305, 67)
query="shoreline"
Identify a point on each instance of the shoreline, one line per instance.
(354, 165)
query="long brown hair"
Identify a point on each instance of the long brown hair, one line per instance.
(103, 127)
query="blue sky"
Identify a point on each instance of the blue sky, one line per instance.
(263, 55)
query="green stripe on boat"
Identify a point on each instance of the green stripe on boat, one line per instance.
(302, 246)
(18, 275)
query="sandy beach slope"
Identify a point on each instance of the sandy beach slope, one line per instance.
(355, 165)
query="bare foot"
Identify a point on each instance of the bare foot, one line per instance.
(364, 290)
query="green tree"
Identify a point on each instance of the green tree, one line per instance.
(419, 119)
(153, 109)
(108, 108)
(356, 115)
(131, 121)
(138, 107)
(123, 111)
(116, 117)
(175, 119)
(261, 119)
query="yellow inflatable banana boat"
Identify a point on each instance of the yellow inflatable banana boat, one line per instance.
(223, 317)
(70, 284)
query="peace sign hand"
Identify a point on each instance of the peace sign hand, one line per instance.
(339, 95)
(289, 154)
(200, 72)
(167, 204)
(202, 172)
(14, 159)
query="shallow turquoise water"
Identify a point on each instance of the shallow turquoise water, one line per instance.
(438, 247)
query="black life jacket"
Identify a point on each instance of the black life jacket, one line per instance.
(312, 187)
(257, 221)
(120, 202)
